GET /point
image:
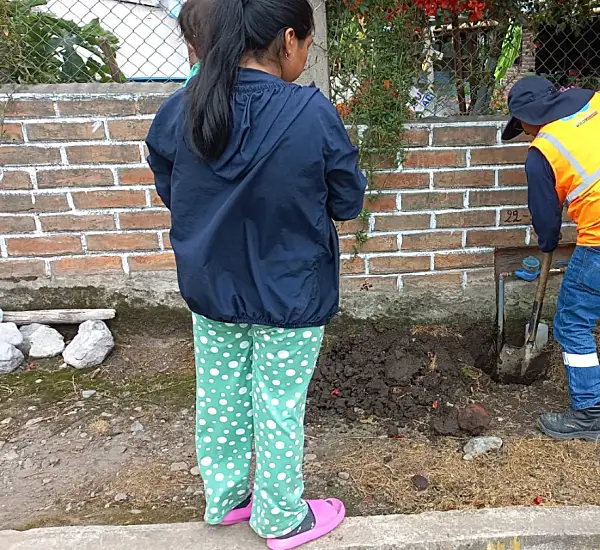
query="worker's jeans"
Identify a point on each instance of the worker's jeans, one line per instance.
(576, 316)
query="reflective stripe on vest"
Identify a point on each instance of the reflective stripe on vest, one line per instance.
(587, 179)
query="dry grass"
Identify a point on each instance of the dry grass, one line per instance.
(436, 331)
(559, 473)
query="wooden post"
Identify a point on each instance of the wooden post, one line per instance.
(58, 316)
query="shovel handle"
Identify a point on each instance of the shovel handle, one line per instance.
(540, 292)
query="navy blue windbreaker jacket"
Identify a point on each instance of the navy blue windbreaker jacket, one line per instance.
(253, 231)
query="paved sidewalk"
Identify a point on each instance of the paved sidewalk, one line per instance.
(572, 528)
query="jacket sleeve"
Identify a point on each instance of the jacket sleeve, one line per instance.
(346, 184)
(161, 167)
(544, 204)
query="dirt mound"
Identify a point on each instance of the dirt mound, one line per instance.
(404, 375)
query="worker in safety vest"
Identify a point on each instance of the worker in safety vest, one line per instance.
(563, 169)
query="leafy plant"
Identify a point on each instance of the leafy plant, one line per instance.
(38, 47)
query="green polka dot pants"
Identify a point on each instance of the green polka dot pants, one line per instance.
(251, 389)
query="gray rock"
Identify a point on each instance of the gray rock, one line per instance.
(310, 457)
(120, 497)
(90, 347)
(137, 427)
(10, 334)
(345, 476)
(179, 467)
(481, 445)
(10, 358)
(10, 456)
(41, 341)
(86, 394)
(195, 471)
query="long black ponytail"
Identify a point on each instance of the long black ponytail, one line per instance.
(235, 28)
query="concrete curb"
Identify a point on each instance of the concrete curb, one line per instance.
(572, 528)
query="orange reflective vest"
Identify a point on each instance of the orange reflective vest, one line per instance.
(572, 147)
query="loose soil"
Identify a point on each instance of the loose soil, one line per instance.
(377, 404)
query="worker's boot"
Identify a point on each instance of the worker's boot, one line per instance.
(572, 424)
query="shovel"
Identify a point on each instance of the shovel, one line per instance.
(516, 364)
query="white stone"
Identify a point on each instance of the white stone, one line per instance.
(10, 334)
(10, 456)
(91, 346)
(41, 341)
(481, 445)
(86, 394)
(10, 358)
(179, 467)
(195, 471)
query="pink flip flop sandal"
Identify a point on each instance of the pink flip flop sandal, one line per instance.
(329, 513)
(239, 515)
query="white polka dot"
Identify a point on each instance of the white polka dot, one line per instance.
(275, 402)
(304, 364)
(201, 392)
(207, 439)
(307, 334)
(219, 477)
(281, 476)
(266, 337)
(242, 391)
(214, 350)
(240, 431)
(230, 465)
(299, 380)
(212, 411)
(204, 340)
(290, 372)
(233, 364)
(238, 335)
(222, 440)
(206, 461)
(248, 456)
(289, 454)
(214, 372)
(212, 333)
(276, 511)
(270, 356)
(280, 445)
(271, 425)
(244, 344)
(283, 354)
(290, 404)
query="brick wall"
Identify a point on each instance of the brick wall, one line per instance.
(77, 198)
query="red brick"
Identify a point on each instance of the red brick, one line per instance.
(432, 201)
(381, 243)
(568, 234)
(402, 222)
(136, 176)
(17, 224)
(464, 178)
(499, 197)
(460, 260)
(400, 180)
(399, 264)
(515, 216)
(435, 159)
(21, 269)
(14, 180)
(60, 131)
(153, 262)
(55, 202)
(78, 177)
(122, 242)
(103, 107)
(109, 199)
(70, 222)
(26, 109)
(372, 284)
(512, 178)
(15, 203)
(352, 227)
(464, 135)
(28, 156)
(10, 133)
(145, 220)
(96, 154)
(435, 280)
(155, 199)
(496, 238)
(149, 105)
(466, 218)
(381, 202)
(44, 246)
(379, 161)
(129, 130)
(416, 137)
(90, 265)
(352, 266)
(498, 155)
(439, 240)
(167, 240)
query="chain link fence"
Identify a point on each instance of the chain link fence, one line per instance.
(48, 41)
(460, 67)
